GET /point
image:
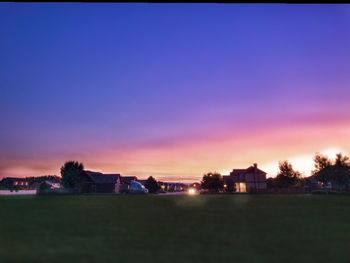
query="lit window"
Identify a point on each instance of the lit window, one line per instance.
(241, 187)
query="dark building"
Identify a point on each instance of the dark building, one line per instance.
(15, 183)
(248, 180)
(95, 182)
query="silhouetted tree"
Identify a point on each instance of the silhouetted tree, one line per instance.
(271, 182)
(341, 174)
(212, 182)
(287, 176)
(152, 185)
(323, 168)
(337, 172)
(71, 173)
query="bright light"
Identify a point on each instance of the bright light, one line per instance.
(302, 162)
(191, 191)
(332, 152)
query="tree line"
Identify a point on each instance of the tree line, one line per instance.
(335, 173)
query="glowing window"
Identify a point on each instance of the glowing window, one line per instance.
(241, 187)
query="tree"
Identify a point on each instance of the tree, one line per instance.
(323, 168)
(271, 182)
(152, 185)
(71, 173)
(337, 172)
(287, 176)
(212, 182)
(341, 171)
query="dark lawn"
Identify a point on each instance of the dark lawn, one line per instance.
(239, 228)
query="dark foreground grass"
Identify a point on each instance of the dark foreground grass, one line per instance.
(238, 228)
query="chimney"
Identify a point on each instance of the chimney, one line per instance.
(255, 174)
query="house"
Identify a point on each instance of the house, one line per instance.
(16, 186)
(95, 182)
(15, 183)
(248, 180)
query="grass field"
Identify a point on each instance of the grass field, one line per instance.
(238, 228)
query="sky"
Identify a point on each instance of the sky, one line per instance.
(172, 90)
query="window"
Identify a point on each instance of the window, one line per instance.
(241, 187)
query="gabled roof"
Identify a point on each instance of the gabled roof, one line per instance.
(100, 178)
(241, 172)
(251, 169)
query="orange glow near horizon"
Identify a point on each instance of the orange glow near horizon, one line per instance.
(189, 159)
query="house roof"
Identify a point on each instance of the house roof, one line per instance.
(100, 178)
(237, 172)
(251, 169)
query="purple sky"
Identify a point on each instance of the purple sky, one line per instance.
(171, 90)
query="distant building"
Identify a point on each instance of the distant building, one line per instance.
(248, 180)
(173, 186)
(95, 182)
(15, 183)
